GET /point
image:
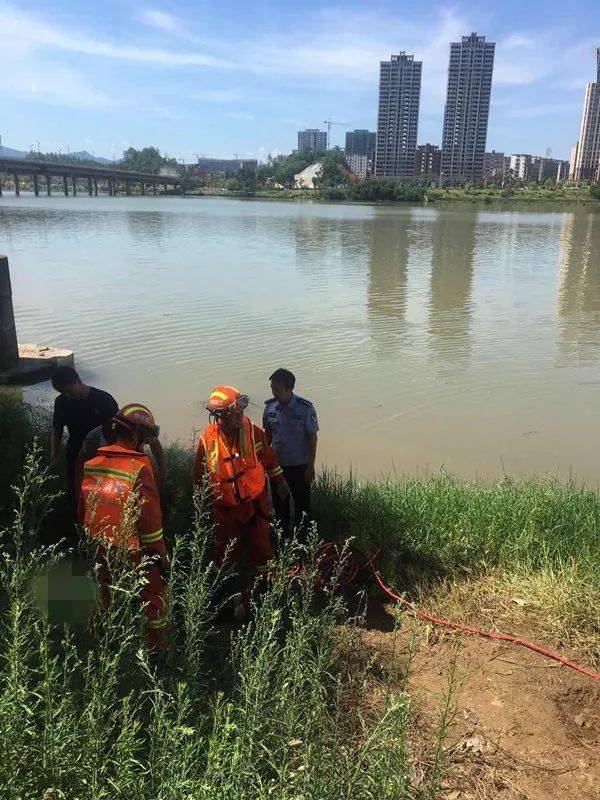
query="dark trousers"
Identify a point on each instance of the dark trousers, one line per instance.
(300, 489)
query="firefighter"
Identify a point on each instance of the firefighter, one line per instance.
(120, 475)
(238, 459)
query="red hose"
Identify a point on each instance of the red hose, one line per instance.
(351, 570)
(472, 631)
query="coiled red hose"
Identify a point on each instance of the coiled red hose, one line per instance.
(350, 568)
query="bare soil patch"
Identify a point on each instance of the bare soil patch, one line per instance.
(523, 726)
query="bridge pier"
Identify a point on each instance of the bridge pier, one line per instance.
(115, 184)
(0, 185)
(142, 188)
(74, 180)
(90, 187)
(48, 185)
(95, 186)
(17, 191)
(128, 188)
(155, 189)
(36, 185)
(66, 185)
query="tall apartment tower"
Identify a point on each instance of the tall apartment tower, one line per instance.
(585, 159)
(398, 116)
(467, 109)
(312, 139)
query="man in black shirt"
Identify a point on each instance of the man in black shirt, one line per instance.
(79, 408)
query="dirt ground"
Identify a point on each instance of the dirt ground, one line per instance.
(523, 726)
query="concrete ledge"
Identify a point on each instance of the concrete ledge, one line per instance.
(36, 364)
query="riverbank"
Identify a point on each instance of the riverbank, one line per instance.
(320, 705)
(569, 195)
(524, 196)
(443, 541)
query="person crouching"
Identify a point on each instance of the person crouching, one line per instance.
(119, 474)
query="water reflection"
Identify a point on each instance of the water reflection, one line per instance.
(147, 226)
(579, 286)
(450, 304)
(388, 244)
(449, 311)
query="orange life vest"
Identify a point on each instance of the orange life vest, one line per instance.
(107, 508)
(236, 476)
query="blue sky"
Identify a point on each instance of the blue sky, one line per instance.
(237, 77)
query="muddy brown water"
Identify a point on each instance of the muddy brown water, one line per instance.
(455, 336)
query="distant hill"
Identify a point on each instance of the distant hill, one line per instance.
(10, 152)
(84, 155)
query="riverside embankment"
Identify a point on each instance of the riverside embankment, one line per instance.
(308, 701)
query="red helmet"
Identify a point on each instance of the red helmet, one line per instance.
(135, 416)
(225, 400)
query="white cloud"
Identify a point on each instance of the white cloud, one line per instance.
(32, 79)
(219, 96)
(338, 50)
(158, 19)
(29, 29)
(240, 115)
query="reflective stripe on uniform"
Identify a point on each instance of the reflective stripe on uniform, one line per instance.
(132, 409)
(110, 473)
(148, 538)
(157, 623)
(273, 473)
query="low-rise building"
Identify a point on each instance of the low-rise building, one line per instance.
(361, 143)
(493, 165)
(221, 167)
(521, 166)
(564, 168)
(546, 168)
(312, 139)
(526, 167)
(358, 164)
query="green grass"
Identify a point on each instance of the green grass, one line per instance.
(525, 195)
(539, 537)
(263, 716)
(275, 710)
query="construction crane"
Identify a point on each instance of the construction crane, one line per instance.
(329, 122)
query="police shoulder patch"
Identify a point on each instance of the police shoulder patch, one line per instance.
(269, 400)
(303, 401)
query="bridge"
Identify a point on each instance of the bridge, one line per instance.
(110, 179)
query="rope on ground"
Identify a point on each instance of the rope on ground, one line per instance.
(350, 569)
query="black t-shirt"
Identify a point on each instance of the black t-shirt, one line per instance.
(81, 416)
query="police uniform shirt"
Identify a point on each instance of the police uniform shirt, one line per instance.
(290, 427)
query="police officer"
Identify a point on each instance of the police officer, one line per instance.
(291, 425)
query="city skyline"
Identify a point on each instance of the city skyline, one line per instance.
(195, 82)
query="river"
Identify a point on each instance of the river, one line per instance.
(458, 337)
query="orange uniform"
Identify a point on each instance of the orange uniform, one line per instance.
(238, 468)
(108, 483)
